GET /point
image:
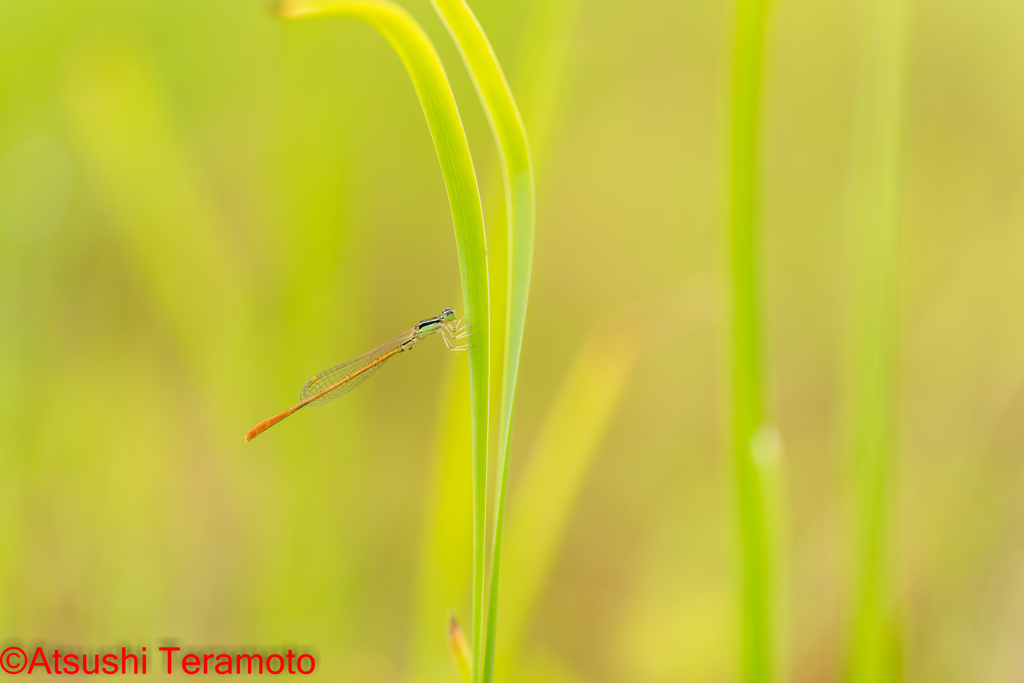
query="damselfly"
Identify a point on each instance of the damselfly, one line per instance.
(341, 379)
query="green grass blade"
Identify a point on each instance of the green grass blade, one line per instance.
(759, 628)
(442, 574)
(874, 224)
(541, 71)
(559, 462)
(541, 66)
(538, 78)
(517, 174)
(435, 94)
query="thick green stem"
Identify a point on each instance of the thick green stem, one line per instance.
(754, 497)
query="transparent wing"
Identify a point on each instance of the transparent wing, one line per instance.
(345, 377)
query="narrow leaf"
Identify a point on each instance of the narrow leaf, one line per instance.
(435, 94)
(559, 462)
(517, 174)
(753, 489)
(874, 216)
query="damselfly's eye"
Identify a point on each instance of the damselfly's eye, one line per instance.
(448, 314)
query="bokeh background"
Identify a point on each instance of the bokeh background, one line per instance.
(201, 206)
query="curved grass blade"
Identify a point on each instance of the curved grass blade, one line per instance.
(517, 174)
(435, 94)
(540, 71)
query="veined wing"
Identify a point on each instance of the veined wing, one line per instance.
(342, 378)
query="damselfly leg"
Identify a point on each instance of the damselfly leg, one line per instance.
(452, 332)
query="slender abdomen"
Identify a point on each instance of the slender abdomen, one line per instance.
(270, 422)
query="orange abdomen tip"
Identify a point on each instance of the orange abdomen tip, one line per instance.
(268, 423)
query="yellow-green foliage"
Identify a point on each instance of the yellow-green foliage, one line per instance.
(201, 205)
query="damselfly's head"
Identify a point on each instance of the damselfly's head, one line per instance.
(448, 315)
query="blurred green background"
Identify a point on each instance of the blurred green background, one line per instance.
(201, 206)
